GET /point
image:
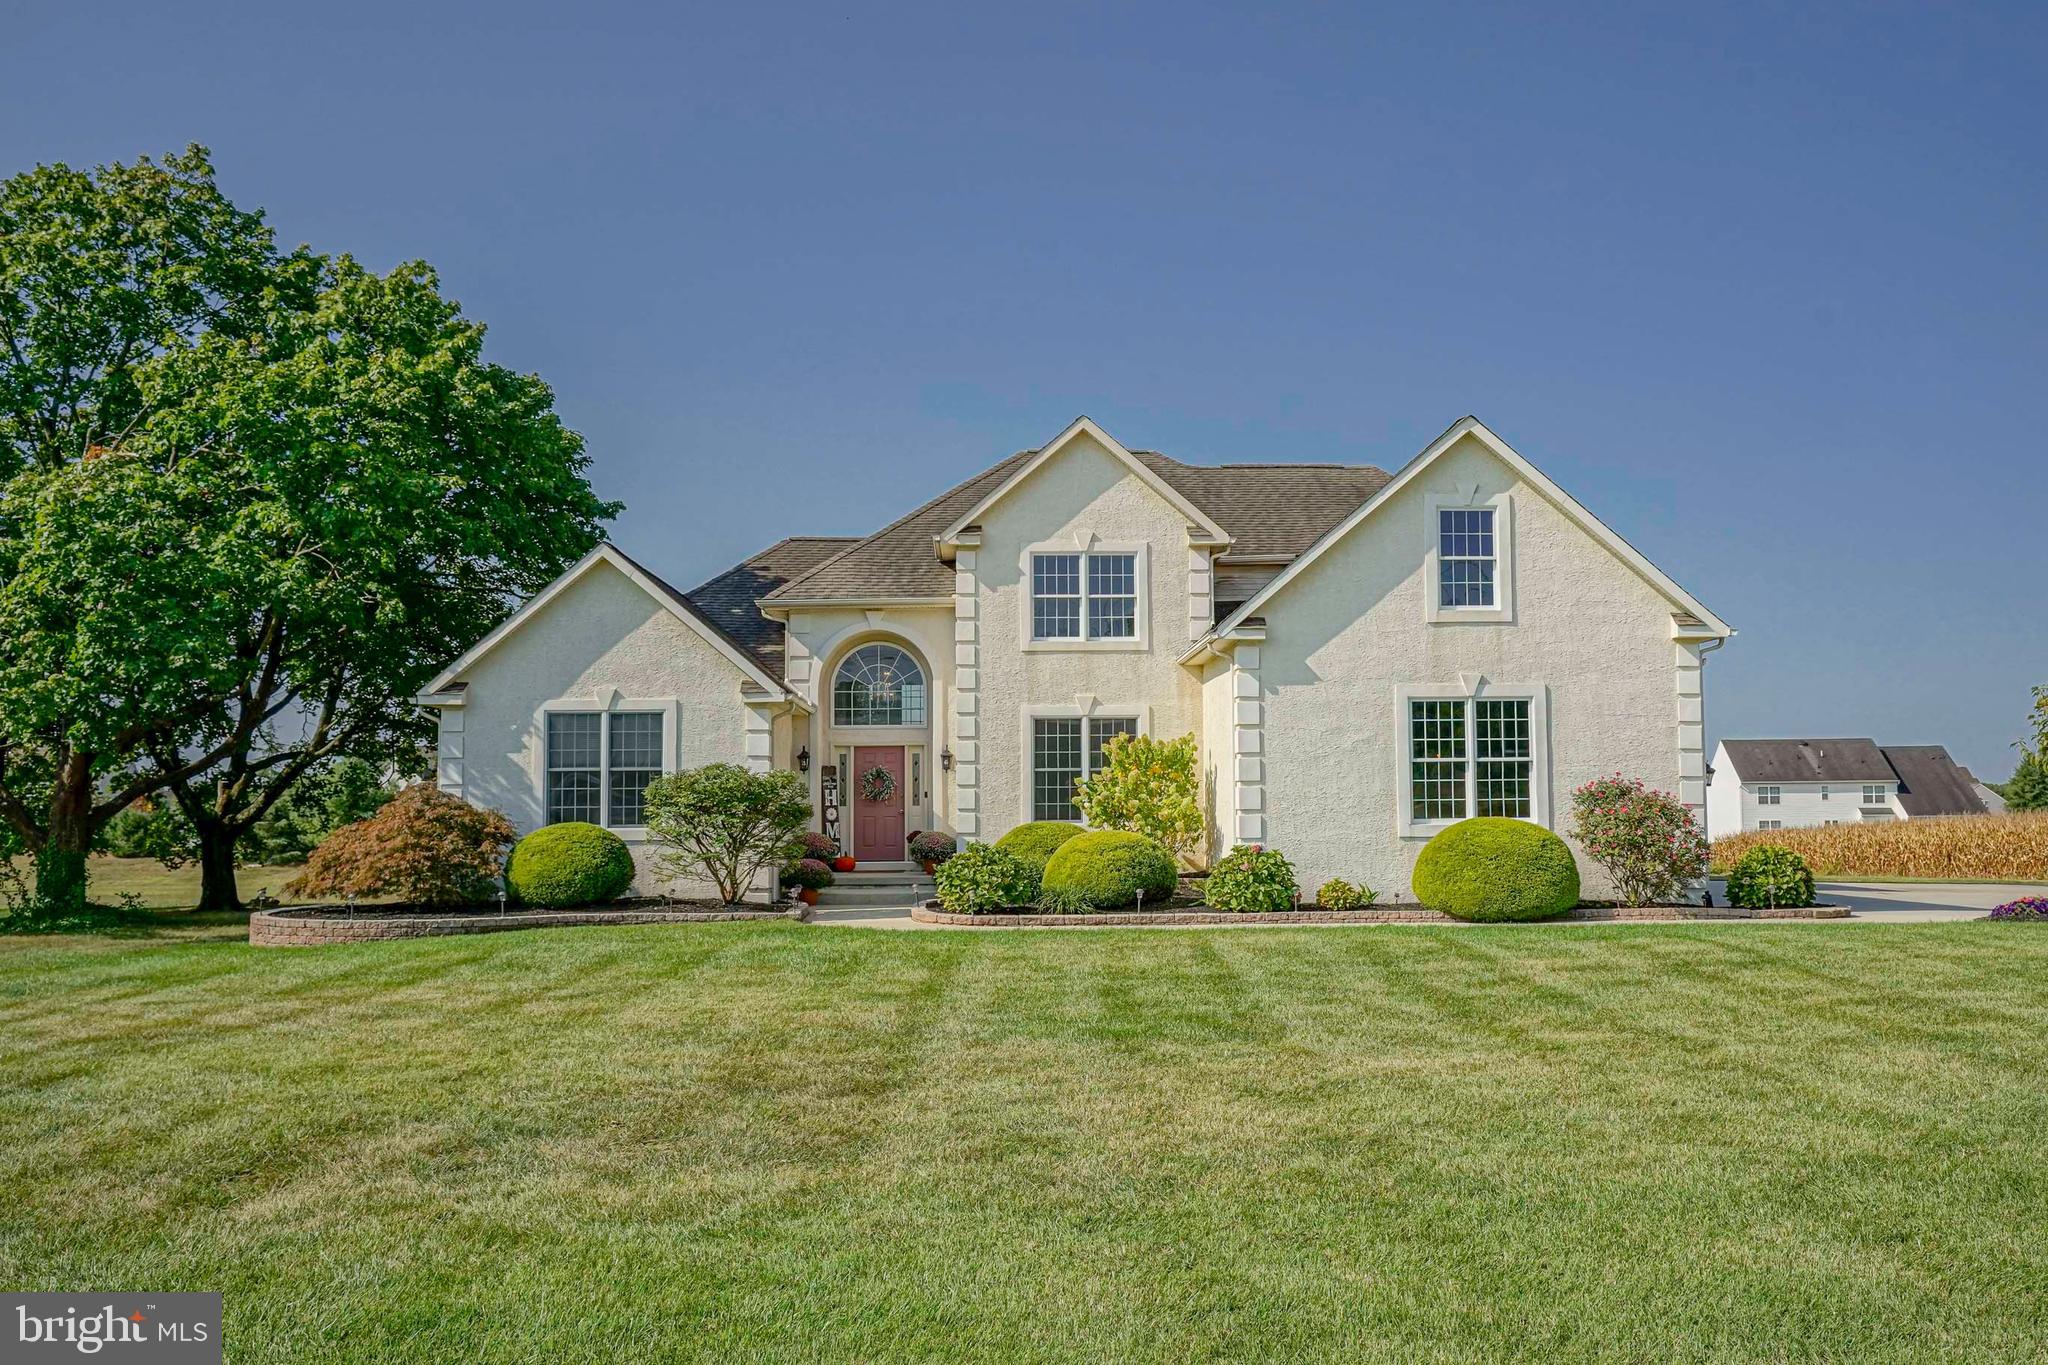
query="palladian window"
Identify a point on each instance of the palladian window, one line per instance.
(878, 685)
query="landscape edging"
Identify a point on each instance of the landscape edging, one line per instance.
(930, 912)
(305, 926)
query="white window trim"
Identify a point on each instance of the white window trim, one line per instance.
(1776, 797)
(1538, 697)
(1502, 612)
(1883, 797)
(1085, 709)
(609, 702)
(829, 702)
(1084, 543)
(1770, 824)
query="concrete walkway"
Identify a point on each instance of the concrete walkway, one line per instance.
(1868, 902)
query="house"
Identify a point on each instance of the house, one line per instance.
(1365, 658)
(1789, 783)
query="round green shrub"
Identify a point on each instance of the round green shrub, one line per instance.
(1108, 867)
(572, 863)
(1770, 875)
(1252, 878)
(1338, 894)
(1037, 841)
(1491, 868)
(984, 877)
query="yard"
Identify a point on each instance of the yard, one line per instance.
(779, 1141)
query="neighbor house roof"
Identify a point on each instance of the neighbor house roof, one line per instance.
(1930, 782)
(1271, 511)
(1808, 760)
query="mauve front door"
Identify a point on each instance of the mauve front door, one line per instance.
(878, 825)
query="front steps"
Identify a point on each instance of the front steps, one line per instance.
(876, 890)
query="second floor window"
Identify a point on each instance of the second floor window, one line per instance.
(1873, 796)
(1768, 796)
(1465, 556)
(1092, 596)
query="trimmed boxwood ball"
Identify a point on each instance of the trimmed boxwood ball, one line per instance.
(572, 863)
(1107, 868)
(1037, 841)
(1491, 869)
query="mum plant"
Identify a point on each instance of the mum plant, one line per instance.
(1648, 843)
(1146, 786)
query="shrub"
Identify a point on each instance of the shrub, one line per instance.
(1493, 869)
(808, 874)
(1251, 877)
(572, 863)
(1106, 867)
(2005, 848)
(1647, 841)
(151, 828)
(2027, 788)
(330, 794)
(1147, 786)
(1769, 876)
(1338, 894)
(822, 847)
(1037, 841)
(932, 846)
(985, 877)
(726, 824)
(2026, 908)
(425, 846)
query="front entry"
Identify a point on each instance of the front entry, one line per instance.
(878, 825)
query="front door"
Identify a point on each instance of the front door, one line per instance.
(878, 825)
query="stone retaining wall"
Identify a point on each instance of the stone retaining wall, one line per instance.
(930, 913)
(306, 926)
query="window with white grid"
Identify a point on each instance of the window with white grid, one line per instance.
(1501, 749)
(634, 760)
(1091, 596)
(1065, 749)
(1437, 755)
(1769, 796)
(1770, 824)
(598, 765)
(1465, 557)
(1873, 796)
(1055, 767)
(575, 766)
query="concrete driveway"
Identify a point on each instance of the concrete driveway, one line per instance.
(1911, 902)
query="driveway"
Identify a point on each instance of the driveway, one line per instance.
(1911, 902)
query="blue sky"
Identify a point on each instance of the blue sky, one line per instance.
(1763, 286)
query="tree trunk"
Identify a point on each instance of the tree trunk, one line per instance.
(60, 860)
(217, 890)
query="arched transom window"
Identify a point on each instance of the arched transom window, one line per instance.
(878, 685)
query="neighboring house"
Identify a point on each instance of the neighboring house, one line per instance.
(1364, 657)
(1788, 783)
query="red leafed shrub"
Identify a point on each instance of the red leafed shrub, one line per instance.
(424, 846)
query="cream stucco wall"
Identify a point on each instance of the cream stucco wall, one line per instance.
(1350, 631)
(602, 641)
(1083, 493)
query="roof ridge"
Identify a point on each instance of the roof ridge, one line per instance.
(911, 515)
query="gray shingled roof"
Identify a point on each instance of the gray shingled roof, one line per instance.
(1808, 760)
(1270, 511)
(1930, 783)
(731, 601)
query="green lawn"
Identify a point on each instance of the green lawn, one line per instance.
(780, 1141)
(157, 887)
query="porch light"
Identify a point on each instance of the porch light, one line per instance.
(946, 758)
(803, 759)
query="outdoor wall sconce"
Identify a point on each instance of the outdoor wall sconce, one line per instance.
(803, 759)
(946, 758)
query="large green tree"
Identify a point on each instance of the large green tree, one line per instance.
(255, 498)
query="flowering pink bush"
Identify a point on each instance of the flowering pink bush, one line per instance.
(1645, 839)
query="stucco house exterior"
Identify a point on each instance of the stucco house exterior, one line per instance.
(1791, 783)
(1365, 657)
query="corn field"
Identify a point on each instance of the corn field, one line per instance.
(2012, 847)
